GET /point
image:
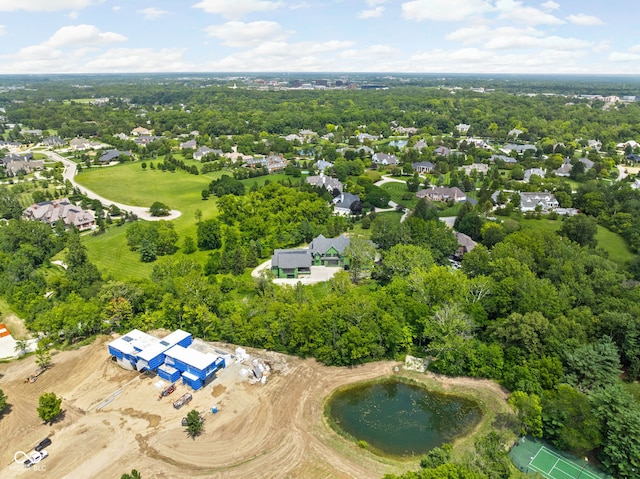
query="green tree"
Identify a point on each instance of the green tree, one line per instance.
(208, 234)
(582, 229)
(43, 354)
(593, 365)
(159, 209)
(529, 412)
(189, 245)
(361, 254)
(132, 475)
(195, 424)
(49, 407)
(148, 253)
(3, 402)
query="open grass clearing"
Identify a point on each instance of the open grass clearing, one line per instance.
(398, 191)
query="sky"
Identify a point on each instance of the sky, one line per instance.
(401, 36)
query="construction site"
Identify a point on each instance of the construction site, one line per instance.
(263, 417)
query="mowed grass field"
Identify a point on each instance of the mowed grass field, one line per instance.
(611, 242)
(129, 184)
(397, 191)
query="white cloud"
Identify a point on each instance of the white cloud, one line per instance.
(373, 3)
(74, 15)
(513, 10)
(444, 10)
(139, 60)
(83, 35)
(240, 34)
(3, 30)
(116, 8)
(152, 13)
(372, 13)
(505, 38)
(235, 9)
(635, 49)
(43, 5)
(624, 57)
(586, 20)
(550, 5)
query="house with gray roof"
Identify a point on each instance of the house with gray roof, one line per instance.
(507, 159)
(440, 193)
(566, 167)
(20, 164)
(53, 141)
(509, 147)
(420, 145)
(291, 263)
(50, 212)
(343, 202)
(189, 145)
(545, 200)
(322, 165)
(533, 171)
(322, 251)
(113, 155)
(384, 159)
(479, 167)
(327, 182)
(203, 151)
(423, 167)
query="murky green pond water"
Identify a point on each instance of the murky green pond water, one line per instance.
(400, 419)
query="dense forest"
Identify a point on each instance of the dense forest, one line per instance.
(546, 314)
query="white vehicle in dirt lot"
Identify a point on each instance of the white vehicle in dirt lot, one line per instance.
(35, 458)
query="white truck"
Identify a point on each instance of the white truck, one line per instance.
(35, 458)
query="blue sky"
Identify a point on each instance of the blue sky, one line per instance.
(447, 36)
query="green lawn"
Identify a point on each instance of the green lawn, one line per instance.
(611, 242)
(397, 191)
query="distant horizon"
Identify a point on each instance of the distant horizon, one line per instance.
(494, 37)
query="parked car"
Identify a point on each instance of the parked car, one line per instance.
(184, 421)
(44, 443)
(35, 458)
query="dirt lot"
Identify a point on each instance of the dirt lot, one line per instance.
(275, 430)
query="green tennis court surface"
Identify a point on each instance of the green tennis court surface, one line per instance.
(552, 466)
(532, 455)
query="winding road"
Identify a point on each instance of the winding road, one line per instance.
(70, 170)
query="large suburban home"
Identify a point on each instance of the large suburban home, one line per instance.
(322, 165)
(439, 193)
(463, 128)
(113, 155)
(20, 164)
(140, 131)
(144, 140)
(53, 141)
(80, 144)
(508, 148)
(442, 151)
(545, 200)
(384, 159)
(423, 167)
(465, 244)
(533, 171)
(292, 263)
(362, 137)
(479, 167)
(203, 151)
(50, 212)
(327, 182)
(420, 145)
(343, 202)
(189, 145)
(329, 251)
(508, 160)
(566, 167)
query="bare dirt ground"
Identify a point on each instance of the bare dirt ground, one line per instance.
(275, 430)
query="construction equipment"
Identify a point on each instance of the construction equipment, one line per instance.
(166, 391)
(34, 376)
(184, 399)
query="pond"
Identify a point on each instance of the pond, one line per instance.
(398, 143)
(399, 419)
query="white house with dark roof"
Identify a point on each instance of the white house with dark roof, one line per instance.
(440, 193)
(423, 167)
(545, 200)
(384, 159)
(463, 128)
(533, 171)
(323, 181)
(343, 202)
(479, 167)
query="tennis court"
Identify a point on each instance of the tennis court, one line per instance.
(553, 466)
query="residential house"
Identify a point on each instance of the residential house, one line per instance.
(366, 150)
(442, 151)
(293, 137)
(80, 144)
(113, 155)
(121, 136)
(362, 137)
(11, 146)
(630, 144)
(15, 164)
(203, 151)
(477, 142)
(420, 145)
(402, 130)
(31, 132)
(423, 167)
(322, 181)
(322, 165)
(322, 251)
(144, 140)
(463, 128)
(384, 159)
(566, 167)
(633, 157)
(343, 202)
(636, 184)
(272, 163)
(439, 193)
(189, 145)
(465, 244)
(329, 251)
(508, 160)
(291, 263)
(141, 131)
(479, 167)
(515, 132)
(509, 147)
(545, 200)
(53, 141)
(50, 212)
(533, 171)
(235, 156)
(595, 144)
